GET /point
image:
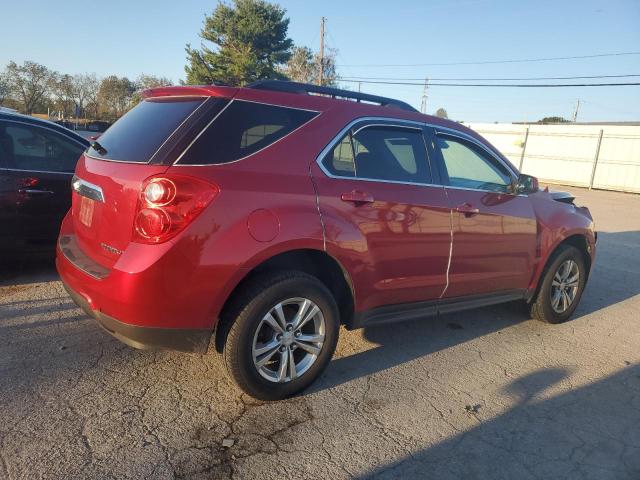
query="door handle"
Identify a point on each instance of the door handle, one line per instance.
(33, 191)
(357, 197)
(467, 209)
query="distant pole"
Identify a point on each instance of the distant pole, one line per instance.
(595, 160)
(524, 148)
(321, 63)
(575, 112)
(423, 106)
(359, 86)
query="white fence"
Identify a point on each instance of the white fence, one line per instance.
(598, 156)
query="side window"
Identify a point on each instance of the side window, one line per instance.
(26, 147)
(340, 161)
(469, 167)
(242, 129)
(391, 153)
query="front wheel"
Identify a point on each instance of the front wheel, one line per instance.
(284, 332)
(561, 286)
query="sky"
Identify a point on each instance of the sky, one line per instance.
(143, 36)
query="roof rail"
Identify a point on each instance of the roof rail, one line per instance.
(307, 88)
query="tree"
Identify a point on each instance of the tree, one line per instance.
(31, 83)
(250, 43)
(442, 113)
(86, 88)
(151, 81)
(115, 95)
(553, 120)
(5, 87)
(143, 82)
(65, 92)
(303, 66)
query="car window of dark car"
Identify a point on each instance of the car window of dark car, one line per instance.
(32, 148)
(468, 166)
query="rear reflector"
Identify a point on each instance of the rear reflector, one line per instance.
(166, 205)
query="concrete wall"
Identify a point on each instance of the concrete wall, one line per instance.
(567, 153)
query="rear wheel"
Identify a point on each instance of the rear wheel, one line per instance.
(561, 286)
(283, 333)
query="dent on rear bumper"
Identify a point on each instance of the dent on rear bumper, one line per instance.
(182, 339)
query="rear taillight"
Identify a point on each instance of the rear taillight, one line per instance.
(166, 205)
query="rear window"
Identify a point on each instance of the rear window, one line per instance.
(137, 135)
(241, 129)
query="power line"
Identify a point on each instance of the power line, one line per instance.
(360, 79)
(520, 85)
(486, 62)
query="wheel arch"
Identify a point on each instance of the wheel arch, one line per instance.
(580, 241)
(312, 261)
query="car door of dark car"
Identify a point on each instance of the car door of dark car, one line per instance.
(36, 165)
(494, 230)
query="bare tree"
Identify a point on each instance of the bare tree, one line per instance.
(5, 87)
(144, 82)
(442, 113)
(303, 66)
(31, 82)
(115, 95)
(65, 94)
(86, 88)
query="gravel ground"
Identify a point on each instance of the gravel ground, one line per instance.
(483, 394)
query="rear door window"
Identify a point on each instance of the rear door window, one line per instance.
(381, 152)
(138, 134)
(340, 161)
(242, 129)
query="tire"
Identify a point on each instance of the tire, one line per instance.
(544, 307)
(249, 333)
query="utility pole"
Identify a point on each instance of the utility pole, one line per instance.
(575, 112)
(423, 106)
(321, 65)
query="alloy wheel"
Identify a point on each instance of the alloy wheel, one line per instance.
(288, 340)
(564, 286)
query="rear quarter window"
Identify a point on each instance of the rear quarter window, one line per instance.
(138, 134)
(242, 129)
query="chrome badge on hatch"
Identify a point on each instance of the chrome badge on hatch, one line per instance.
(111, 249)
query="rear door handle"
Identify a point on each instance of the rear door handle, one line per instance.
(34, 191)
(467, 209)
(356, 196)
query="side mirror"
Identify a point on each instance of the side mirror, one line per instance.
(527, 184)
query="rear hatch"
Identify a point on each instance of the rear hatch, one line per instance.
(142, 143)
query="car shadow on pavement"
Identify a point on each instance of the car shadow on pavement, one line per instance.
(614, 279)
(17, 272)
(616, 272)
(399, 343)
(588, 432)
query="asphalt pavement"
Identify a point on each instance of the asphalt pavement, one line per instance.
(488, 393)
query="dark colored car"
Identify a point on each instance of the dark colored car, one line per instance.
(261, 219)
(37, 161)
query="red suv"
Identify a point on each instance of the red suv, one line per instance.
(258, 220)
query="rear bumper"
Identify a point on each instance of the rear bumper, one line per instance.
(146, 338)
(151, 299)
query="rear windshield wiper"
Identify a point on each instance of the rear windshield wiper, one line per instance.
(99, 148)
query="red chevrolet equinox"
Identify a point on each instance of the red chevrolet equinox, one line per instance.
(255, 221)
